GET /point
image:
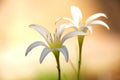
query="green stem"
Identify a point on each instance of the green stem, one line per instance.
(56, 54)
(80, 42)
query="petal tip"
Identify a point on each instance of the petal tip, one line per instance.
(31, 25)
(73, 7)
(27, 51)
(57, 20)
(67, 60)
(40, 61)
(26, 54)
(108, 28)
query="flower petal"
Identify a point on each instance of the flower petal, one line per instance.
(99, 22)
(85, 28)
(33, 45)
(64, 18)
(72, 34)
(76, 14)
(58, 19)
(44, 32)
(61, 28)
(44, 54)
(95, 16)
(65, 52)
(90, 29)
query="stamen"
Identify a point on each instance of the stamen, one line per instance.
(47, 36)
(51, 37)
(57, 37)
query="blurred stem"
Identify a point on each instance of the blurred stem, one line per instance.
(72, 65)
(56, 53)
(80, 42)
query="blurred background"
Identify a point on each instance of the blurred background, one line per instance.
(101, 50)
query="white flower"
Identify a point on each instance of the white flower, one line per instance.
(76, 22)
(55, 42)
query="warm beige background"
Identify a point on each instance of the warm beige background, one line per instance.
(101, 51)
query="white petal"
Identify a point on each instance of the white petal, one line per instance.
(58, 19)
(44, 54)
(90, 29)
(61, 28)
(65, 52)
(83, 29)
(76, 14)
(72, 34)
(63, 18)
(95, 16)
(33, 45)
(44, 32)
(99, 22)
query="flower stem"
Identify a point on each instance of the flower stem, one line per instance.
(56, 53)
(80, 42)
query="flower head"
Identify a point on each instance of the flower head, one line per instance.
(54, 43)
(76, 22)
